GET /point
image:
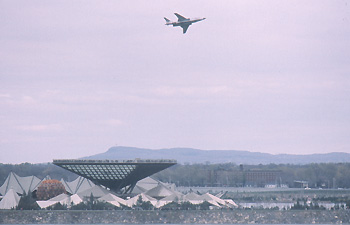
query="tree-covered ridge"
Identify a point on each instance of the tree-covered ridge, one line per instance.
(190, 155)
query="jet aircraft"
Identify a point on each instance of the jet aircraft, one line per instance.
(182, 22)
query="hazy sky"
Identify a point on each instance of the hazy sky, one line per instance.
(78, 77)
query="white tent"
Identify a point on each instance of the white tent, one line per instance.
(209, 199)
(19, 184)
(194, 198)
(78, 185)
(112, 199)
(230, 203)
(63, 199)
(197, 199)
(75, 199)
(145, 185)
(149, 183)
(59, 197)
(45, 204)
(212, 199)
(145, 198)
(96, 191)
(176, 197)
(209, 196)
(138, 190)
(10, 200)
(160, 191)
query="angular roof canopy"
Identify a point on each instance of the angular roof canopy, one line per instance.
(78, 185)
(161, 191)
(19, 184)
(146, 184)
(112, 199)
(176, 197)
(145, 198)
(10, 200)
(64, 199)
(149, 183)
(96, 191)
(115, 174)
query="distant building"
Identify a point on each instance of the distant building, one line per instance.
(119, 176)
(301, 184)
(261, 178)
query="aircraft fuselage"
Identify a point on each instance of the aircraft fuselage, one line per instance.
(182, 22)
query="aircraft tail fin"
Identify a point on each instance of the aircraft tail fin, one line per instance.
(167, 20)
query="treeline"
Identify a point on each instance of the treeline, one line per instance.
(324, 175)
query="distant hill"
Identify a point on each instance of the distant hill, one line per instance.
(189, 155)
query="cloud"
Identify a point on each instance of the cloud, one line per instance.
(114, 122)
(190, 91)
(5, 95)
(41, 127)
(28, 100)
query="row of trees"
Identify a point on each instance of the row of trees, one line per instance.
(314, 206)
(325, 175)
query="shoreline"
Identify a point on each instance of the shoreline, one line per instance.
(175, 217)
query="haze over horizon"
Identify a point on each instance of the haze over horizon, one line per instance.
(78, 77)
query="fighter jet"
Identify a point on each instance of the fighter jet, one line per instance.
(182, 22)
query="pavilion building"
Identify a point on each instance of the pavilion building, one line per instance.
(119, 176)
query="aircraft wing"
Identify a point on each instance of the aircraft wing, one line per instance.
(184, 28)
(180, 18)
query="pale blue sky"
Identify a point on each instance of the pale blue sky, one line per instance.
(77, 77)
